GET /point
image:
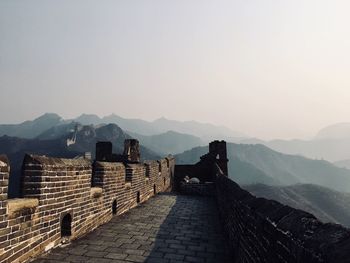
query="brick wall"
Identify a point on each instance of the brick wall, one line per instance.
(59, 190)
(261, 230)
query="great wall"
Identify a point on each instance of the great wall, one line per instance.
(75, 210)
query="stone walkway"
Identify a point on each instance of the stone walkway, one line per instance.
(167, 228)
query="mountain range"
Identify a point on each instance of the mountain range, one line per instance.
(316, 186)
(205, 131)
(169, 142)
(331, 143)
(332, 150)
(280, 173)
(335, 131)
(162, 136)
(31, 129)
(251, 164)
(326, 204)
(67, 141)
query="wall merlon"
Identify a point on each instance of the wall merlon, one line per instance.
(112, 166)
(82, 194)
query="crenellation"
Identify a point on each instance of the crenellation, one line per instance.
(63, 199)
(257, 229)
(132, 150)
(70, 194)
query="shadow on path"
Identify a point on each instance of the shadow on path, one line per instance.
(167, 228)
(190, 232)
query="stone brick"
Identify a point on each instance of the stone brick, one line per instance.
(58, 189)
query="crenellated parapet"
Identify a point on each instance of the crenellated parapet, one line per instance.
(258, 229)
(63, 199)
(203, 170)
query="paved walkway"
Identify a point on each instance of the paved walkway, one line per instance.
(167, 228)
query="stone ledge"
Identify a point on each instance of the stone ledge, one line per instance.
(127, 185)
(96, 192)
(102, 166)
(18, 205)
(32, 159)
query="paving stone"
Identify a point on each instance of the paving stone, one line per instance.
(130, 246)
(116, 256)
(157, 260)
(167, 228)
(97, 248)
(186, 252)
(138, 252)
(96, 254)
(77, 251)
(135, 258)
(177, 246)
(99, 260)
(174, 256)
(194, 259)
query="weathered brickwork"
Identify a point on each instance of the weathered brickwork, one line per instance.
(63, 199)
(261, 230)
(204, 169)
(255, 238)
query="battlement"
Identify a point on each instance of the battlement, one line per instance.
(63, 199)
(261, 230)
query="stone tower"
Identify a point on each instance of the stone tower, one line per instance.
(219, 151)
(103, 151)
(132, 150)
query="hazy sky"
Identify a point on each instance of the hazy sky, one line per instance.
(269, 68)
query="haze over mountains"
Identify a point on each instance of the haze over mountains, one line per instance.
(31, 129)
(68, 141)
(331, 143)
(251, 164)
(205, 131)
(316, 186)
(291, 179)
(50, 134)
(326, 204)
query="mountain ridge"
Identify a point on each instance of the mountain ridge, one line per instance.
(205, 131)
(327, 205)
(279, 168)
(67, 145)
(31, 129)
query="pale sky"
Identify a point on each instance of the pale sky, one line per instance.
(268, 68)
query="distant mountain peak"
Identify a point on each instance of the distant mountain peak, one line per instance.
(48, 116)
(87, 119)
(335, 131)
(205, 131)
(112, 115)
(161, 119)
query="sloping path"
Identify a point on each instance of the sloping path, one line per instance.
(167, 228)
